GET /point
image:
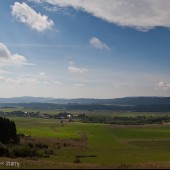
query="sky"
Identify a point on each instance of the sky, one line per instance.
(84, 48)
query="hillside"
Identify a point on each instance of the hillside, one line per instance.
(116, 101)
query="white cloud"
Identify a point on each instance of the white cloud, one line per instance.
(31, 80)
(18, 58)
(164, 85)
(13, 81)
(42, 74)
(22, 80)
(5, 72)
(2, 78)
(4, 52)
(141, 14)
(46, 83)
(96, 43)
(56, 82)
(79, 85)
(74, 69)
(7, 58)
(29, 16)
(52, 9)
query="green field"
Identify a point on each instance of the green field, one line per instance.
(107, 146)
(87, 112)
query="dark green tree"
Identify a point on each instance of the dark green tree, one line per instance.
(8, 132)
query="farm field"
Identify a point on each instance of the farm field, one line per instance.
(96, 145)
(89, 112)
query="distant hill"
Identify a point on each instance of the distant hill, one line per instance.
(25, 99)
(117, 101)
(142, 101)
(136, 104)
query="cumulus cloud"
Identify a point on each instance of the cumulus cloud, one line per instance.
(96, 43)
(29, 16)
(164, 85)
(7, 58)
(141, 14)
(74, 69)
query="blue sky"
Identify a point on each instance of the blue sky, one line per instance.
(89, 49)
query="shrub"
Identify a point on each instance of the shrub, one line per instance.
(45, 146)
(21, 135)
(22, 151)
(49, 152)
(64, 144)
(77, 160)
(41, 154)
(41, 146)
(3, 150)
(30, 145)
(34, 152)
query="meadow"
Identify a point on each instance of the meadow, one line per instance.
(96, 145)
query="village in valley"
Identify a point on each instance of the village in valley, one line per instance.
(61, 115)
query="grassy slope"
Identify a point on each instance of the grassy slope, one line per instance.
(112, 145)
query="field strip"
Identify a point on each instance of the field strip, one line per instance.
(141, 126)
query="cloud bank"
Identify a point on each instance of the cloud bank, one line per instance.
(140, 14)
(29, 16)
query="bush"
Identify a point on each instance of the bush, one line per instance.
(21, 151)
(49, 152)
(30, 145)
(41, 146)
(77, 160)
(3, 150)
(45, 146)
(65, 144)
(41, 154)
(21, 135)
(34, 152)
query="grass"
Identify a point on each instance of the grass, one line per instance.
(138, 133)
(88, 112)
(110, 145)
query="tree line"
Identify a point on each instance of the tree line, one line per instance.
(123, 120)
(8, 132)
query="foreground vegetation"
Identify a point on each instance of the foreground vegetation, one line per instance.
(92, 145)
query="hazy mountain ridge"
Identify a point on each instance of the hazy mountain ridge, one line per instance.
(116, 101)
(25, 99)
